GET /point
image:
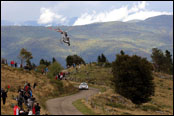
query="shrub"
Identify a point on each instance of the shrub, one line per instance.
(54, 69)
(133, 78)
(58, 84)
(40, 68)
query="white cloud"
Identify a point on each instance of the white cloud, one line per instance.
(140, 6)
(47, 16)
(116, 14)
(142, 15)
(137, 11)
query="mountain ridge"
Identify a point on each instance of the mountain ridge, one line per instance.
(89, 41)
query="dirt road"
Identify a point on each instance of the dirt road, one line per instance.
(63, 105)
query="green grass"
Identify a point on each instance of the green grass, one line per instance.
(150, 107)
(82, 108)
(125, 113)
(116, 105)
(102, 89)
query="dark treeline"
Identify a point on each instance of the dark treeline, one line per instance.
(162, 62)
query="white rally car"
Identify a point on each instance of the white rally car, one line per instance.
(83, 86)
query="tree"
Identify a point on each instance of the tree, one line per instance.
(25, 56)
(45, 62)
(158, 59)
(54, 69)
(99, 59)
(42, 61)
(168, 62)
(162, 62)
(70, 60)
(103, 58)
(133, 78)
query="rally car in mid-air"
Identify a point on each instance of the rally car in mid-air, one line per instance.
(83, 86)
(64, 34)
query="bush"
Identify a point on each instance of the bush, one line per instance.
(40, 68)
(58, 84)
(54, 69)
(133, 78)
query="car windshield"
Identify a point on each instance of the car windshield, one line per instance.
(83, 83)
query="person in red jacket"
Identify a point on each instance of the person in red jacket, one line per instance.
(56, 77)
(61, 75)
(33, 109)
(16, 110)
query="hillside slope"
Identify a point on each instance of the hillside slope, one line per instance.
(111, 103)
(44, 90)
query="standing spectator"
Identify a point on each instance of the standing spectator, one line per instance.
(2, 91)
(61, 75)
(26, 88)
(20, 100)
(34, 85)
(46, 70)
(30, 103)
(37, 109)
(30, 92)
(4, 96)
(15, 64)
(43, 71)
(26, 97)
(33, 109)
(16, 110)
(11, 63)
(56, 77)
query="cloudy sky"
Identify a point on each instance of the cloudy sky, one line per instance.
(86, 12)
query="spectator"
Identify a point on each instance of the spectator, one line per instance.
(56, 77)
(4, 96)
(61, 75)
(26, 84)
(30, 112)
(37, 109)
(26, 97)
(2, 90)
(30, 103)
(20, 100)
(16, 110)
(34, 85)
(22, 112)
(33, 109)
(46, 70)
(15, 64)
(30, 92)
(43, 71)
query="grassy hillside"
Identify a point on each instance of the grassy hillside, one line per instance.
(90, 40)
(45, 90)
(110, 103)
